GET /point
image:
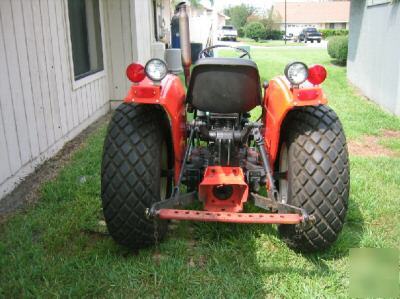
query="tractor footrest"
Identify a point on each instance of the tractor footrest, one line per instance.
(231, 217)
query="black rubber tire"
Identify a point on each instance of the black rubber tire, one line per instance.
(318, 176)
(131, 174)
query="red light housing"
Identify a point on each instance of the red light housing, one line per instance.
(135, 72)
(316, 74)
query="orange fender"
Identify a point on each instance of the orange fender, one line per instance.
(169, 94)
(279, 99)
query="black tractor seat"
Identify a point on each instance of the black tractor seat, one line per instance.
(224, 85)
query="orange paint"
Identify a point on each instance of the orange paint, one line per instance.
(218, 176)
(279, 99)
(230, 217)
(170, 95)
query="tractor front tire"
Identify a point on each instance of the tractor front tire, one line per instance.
(131, 174)
(314, 155)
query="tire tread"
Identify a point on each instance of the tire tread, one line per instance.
(319, 176)
(128, 186)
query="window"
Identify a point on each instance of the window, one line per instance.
(85, 31)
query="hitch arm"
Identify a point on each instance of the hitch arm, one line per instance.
(176, 201)
(267, 203)
(259, 140)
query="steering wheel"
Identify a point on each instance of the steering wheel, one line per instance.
(207, 51)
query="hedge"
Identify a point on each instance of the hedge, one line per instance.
(255, 30)
(338, 48)
(274, 34)
(333, 32)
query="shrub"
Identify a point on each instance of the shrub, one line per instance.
(240, 32)
(338, 47)
(255, 30)
(274, 34)
(333, 32)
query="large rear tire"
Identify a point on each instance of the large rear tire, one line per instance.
(314, 154)
(135, 153)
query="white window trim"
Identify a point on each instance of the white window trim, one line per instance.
(76, 84)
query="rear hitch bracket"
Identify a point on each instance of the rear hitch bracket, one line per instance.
(267, 204)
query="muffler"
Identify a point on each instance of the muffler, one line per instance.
(184, 36)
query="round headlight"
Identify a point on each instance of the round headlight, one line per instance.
(296, 72)
(156, 69)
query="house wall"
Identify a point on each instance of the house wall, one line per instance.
(40, 109)
(120, 21)
(373, 63)
(41, 106)
(129, 27)
(221, 21)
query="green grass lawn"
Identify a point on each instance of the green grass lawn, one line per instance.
(55, 248)
(269, 43)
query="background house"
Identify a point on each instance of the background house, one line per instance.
(163, 12)
(373, 63)
(221, 20)
(61, 62)
(204, 23)
(318, 14)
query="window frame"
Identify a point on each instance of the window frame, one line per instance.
(78, 83)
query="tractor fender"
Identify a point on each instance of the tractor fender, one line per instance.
(170, 96)
(279, 99)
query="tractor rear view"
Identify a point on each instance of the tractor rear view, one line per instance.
(296, 151)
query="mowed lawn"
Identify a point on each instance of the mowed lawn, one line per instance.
(58, 249)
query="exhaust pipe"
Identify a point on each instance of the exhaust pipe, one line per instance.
(184, 37)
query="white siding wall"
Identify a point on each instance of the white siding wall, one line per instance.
(40, 109)
(129, 36)
(142, 28)
(373, 62)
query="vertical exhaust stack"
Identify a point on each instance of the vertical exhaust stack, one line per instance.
(185, 41)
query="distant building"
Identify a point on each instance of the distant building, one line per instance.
(373, 63)
(204, 23)
(318, 14)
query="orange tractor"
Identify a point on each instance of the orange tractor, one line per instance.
(296, 151)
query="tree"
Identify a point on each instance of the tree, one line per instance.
(239, 14)
(255, 30)
(272, 20)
